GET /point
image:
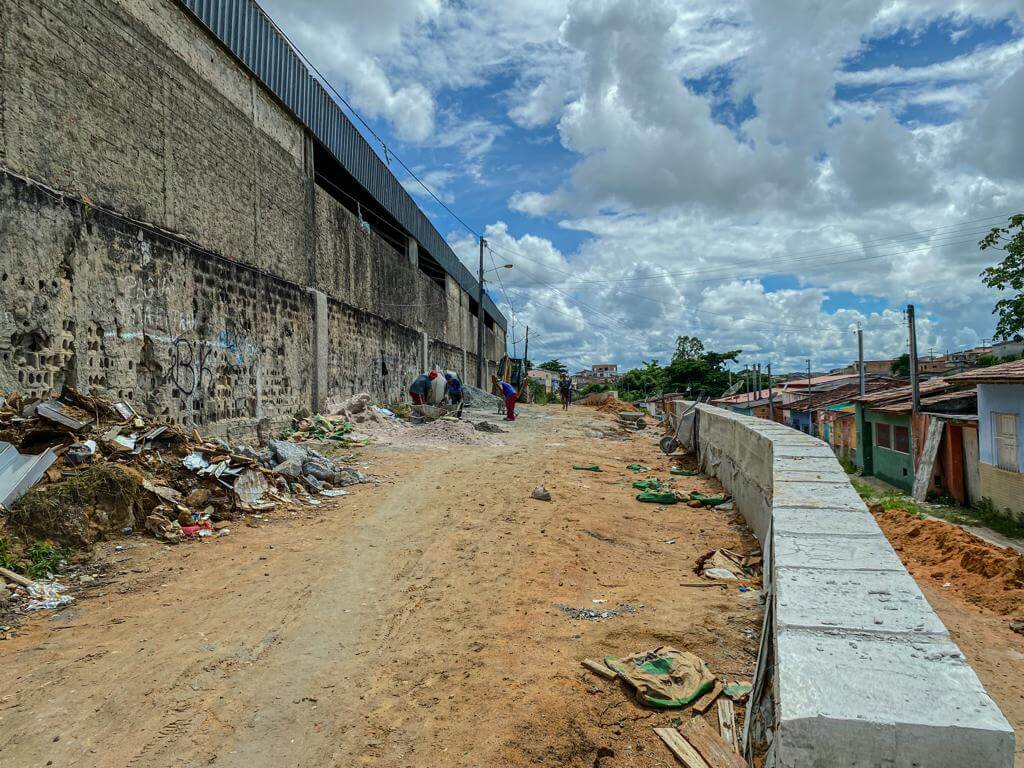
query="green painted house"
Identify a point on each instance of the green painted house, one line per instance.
(884, 446)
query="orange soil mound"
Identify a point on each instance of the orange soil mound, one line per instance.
(985, 575)
(614, 405)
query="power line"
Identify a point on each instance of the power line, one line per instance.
(387, 152)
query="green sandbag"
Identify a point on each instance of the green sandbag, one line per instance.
(638, 468)
(591, 468)
(684, 472)
(664, 677)
(707, 501)
(648, 485)
(653, 497)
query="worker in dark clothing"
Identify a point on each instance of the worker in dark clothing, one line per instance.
(419, 388)
(454, 391)
(565, 391)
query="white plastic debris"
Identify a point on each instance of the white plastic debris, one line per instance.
(195, 461)
(719, 573)
(47, 595)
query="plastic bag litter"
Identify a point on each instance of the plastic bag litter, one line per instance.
(46, 595)
(719, 573)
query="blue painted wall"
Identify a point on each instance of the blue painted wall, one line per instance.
(1001, 398)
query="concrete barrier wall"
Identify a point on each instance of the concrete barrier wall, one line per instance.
(855, 669)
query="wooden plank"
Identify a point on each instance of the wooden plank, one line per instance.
(679, 747)
(923, 477)
(16, 578)
(716, 753)
(600, 669)
(703, 704)
(727, 723)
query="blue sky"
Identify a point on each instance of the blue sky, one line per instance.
(766, 178)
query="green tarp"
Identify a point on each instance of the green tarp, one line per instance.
(591, 468)
(648, 485)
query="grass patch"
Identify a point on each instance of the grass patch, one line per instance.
(42, 560)
(984, 514)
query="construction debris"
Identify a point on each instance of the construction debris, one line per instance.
(76, 469)
(589, 614)
(728, 565)
(541, 493)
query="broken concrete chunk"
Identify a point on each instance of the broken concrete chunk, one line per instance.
(286, 451)
(541, 493)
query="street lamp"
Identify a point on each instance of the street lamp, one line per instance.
(503, 266)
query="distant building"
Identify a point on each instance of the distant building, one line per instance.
(870, 366)
(548, 378)
(604, 373)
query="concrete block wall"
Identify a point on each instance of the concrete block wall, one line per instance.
(130, 106)
(856, 669)
(94, 302)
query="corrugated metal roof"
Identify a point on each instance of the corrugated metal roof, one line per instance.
(19, 472)
(1004, 373)
(247, 32)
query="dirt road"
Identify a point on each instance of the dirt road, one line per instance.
(412, 624)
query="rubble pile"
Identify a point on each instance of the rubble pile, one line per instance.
(76, 469)
(477, 398)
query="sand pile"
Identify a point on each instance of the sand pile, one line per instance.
(614, 405)
(985, 575)
(432, 433)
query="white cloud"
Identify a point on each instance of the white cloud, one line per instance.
(661, 182)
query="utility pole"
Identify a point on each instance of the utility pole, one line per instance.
(771, 398)
(810, 413)
(526, 352)
(480, 321)
(860, 362)
(757, 381)
(915, 385)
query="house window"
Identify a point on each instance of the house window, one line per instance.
(883, 435)
(901, 439)
(1004, 435)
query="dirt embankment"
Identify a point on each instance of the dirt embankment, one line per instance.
(983, 574)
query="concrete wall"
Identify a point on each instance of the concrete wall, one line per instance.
(855, 668)
(129, 107)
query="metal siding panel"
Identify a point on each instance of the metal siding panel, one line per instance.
(243, 27)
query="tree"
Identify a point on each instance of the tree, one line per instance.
(688, 348)
(555, 366)
(901, 365)
(642, 382)
(696, 370)
(1007, 275)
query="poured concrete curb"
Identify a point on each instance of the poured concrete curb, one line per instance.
(863, 673)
